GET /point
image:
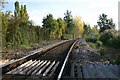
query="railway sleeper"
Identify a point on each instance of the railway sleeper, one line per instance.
(40, 67)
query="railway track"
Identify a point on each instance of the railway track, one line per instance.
(55, 63)
(46, 63)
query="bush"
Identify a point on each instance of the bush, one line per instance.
(66, 36)
(92, 38)
(114, 42)
(105, 36)
(92, 45)
(110, 38)
(99, 43)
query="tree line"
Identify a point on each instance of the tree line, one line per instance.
(19, 31)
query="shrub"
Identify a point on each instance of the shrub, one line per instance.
(66, 36)
(114, 42)
(92, 38)
(106, 36)
(99, 43)
(110, 38)
(92, 45)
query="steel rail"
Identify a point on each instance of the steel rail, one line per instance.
(65, 61)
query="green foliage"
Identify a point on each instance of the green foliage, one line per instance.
(61, 25)
(60, 29)
(92, 45)
(87, 31)
(69, 23)
(17, 9)
(91, 35)
(50, 25)
(91, 39)
(66, 36)
(110, 38)
(104, 23)
(106, 35)
(99, 43)
(17, 30)
(5, 26)
(113, 42)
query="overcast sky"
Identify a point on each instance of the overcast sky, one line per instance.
(89, 10)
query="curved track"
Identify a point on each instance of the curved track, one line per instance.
(58, 62)
(47, 63)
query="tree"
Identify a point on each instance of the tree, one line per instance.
(108, 34)
(87, 30)
(105, 23)
(5, 26)
(78, 30)
(17, 9)
(50, 25)
(69, 23)
(61, 25)
(3, 21)
(21, 31)
(17, 30)
(23, 14)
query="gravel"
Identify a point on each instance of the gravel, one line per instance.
(83, 53)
